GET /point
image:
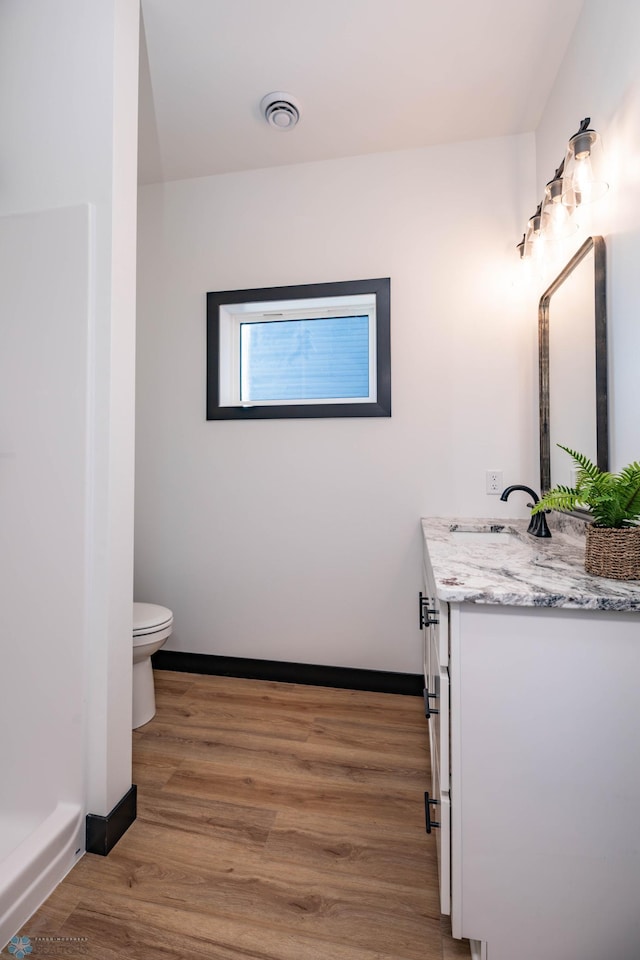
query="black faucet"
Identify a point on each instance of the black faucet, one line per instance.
(538, 526)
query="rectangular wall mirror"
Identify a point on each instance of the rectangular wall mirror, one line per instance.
(572, 342)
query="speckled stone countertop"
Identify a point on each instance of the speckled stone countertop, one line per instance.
(519, 570)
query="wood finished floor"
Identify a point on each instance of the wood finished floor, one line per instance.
(275, 822)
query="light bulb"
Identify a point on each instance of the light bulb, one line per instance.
(534, 241)
(583, 178)
(537, 247)
(557, 222)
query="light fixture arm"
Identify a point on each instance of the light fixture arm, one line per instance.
(584, 126)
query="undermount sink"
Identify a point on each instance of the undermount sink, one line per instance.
(486, 536)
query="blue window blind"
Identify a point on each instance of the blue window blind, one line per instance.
(314, 359)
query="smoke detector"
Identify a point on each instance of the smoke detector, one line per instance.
(280, 110)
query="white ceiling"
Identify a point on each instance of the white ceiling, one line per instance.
(371, 76)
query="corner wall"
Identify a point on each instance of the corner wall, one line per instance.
(600, 78)
(299, 540)
(68, 106)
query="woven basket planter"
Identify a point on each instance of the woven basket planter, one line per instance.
(613, 553)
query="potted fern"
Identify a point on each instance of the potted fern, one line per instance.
(613, 500)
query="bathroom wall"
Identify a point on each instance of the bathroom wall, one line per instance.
(299, 540)
(600, 78)
(68, 112)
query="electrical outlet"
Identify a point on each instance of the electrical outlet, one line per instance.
(494, 482)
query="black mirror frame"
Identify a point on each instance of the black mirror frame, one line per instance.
(596, 244)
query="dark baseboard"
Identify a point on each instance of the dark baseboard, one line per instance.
(104, 832)
(379, 681)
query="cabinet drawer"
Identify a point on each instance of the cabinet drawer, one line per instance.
(427, 606)
(442, 609)
(441, 812)
(438, 687)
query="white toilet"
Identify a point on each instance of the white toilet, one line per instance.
(152, 625)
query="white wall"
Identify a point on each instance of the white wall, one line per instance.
(600, 78)
(299, 540)
(44, 297)
(68, 112)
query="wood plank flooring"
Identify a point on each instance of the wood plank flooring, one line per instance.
(275, 822)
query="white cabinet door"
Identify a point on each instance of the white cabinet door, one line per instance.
(438, 691)
(439, 709)
(441, 813)
(436, 668)
(546, 782)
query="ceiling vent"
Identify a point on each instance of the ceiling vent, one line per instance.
(280, 110)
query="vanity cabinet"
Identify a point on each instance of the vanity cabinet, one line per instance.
(536, 766)
(434, 621)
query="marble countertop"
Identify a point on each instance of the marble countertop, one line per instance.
(509, 566)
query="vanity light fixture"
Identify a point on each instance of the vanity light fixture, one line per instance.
(558, 209)
(578, 180)
(532, 240)
(583, 167)
(522, 247)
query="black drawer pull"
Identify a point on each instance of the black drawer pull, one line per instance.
(427, 812)
(428, 614)
(428, 709)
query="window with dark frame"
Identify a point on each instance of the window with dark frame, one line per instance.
(317, 350)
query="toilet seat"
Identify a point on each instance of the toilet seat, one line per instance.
(149, 619)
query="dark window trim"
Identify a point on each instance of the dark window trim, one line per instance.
(381, 408)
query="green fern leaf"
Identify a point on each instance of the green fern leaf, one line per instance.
(589, 468)
(560, 498)
(629, 480)
(633, 505)
(631, 473)
(612, 499)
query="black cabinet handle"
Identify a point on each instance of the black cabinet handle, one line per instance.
(427, 812)
(428, 614)
(428, 709)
